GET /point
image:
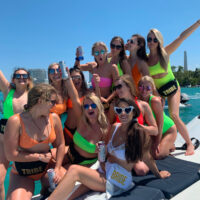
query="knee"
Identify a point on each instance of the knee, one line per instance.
(174, 116)
(73, 171)
(141, 169)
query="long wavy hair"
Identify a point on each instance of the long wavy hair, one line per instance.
(122, 54)
(29, 85)
(141, 52)
(163, 56)
(102, 120)
(137, 141)
(41, 91)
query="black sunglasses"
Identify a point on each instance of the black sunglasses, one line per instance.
(117, 87)
(149, 39)
(53, 102)
(131, 41)
(127, 110)
(113, 46)
(53, 71)
(86, 106)
(18, 76)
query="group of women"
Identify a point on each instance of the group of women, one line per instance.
(58, 125)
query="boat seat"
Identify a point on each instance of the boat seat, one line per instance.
(183, 174)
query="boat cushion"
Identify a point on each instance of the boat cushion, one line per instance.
(183, 174)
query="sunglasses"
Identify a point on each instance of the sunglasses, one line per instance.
(86, 106)
(53, 102)
(117, 87)
(18, 76)
(142, 87)
(149, 39)
(127, 110)
(76, 77)
(53, 71)
(131, 41)
(96, 53)
(113, 46)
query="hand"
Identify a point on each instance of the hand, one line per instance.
(96, 78)
(58, 175)
(164, 174)
(45, 157)
(103, 100)
(67, 70)
(111, 158)
(77, 53)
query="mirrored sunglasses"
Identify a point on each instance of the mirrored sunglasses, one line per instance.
(96, 53)
(127, 110)
(149, 39)
(18, 76)
(86, 106)
(76, 77)
(113, 46)
(147, 88)
(117, 87)
(53, 71)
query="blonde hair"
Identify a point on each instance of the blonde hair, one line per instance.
(148, 79)
(127, 79)
(163, 56)
(99, 44)
(102, 121)
(41, 91)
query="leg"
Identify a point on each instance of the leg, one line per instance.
(88, 177)
(3, 168)
(167, 143)
(173, 103)
(20, 187)
(140, 168)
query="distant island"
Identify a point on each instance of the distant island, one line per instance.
(187, 78)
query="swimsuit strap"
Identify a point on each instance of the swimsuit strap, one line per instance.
(81, 142)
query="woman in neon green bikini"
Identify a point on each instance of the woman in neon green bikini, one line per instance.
(164, 141)
(160, 71)
(15, 97)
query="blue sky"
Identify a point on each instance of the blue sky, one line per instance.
(35, 33)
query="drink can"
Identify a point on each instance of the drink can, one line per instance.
(80, 53)
(102, 151)
(51, 175)
(63, 70)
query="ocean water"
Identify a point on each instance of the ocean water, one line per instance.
(186, 114)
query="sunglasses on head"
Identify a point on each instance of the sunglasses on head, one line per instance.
(18, 76)
(127, 110)
(53, 102)
(113, 46)
(76, 77)
(117, 87)
(53, 71)
(96, 53)
(86, 106)
(142, 87)
(149, 39)
(131, 41)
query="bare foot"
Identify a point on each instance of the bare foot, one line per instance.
(190, 150)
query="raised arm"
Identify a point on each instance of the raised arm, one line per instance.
(88, 67)
(144, 69)
(4, 84)
(177, 42)
(115, 72)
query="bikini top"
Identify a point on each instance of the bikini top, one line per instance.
(59, 108)
(26, 142)
(69, 102)
(118, 151)
(104, 82)
(81, 142)
(8, 105)
(136, 74)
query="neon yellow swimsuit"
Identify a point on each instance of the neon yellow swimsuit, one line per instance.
(8, 106)
(118, 66)
(158, 69)
(83, 143)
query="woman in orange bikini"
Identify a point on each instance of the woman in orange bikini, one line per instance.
(55, 79)
(15, 97)
(138, 58)
(71, 122)
(27, 139)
